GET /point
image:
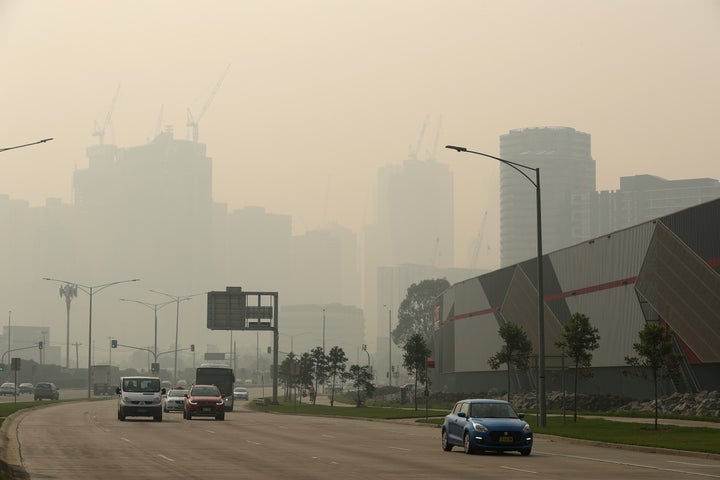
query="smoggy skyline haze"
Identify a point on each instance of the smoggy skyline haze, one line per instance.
(320, 94)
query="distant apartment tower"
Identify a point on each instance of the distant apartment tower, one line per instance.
(147, 205)
(414, 225)
(325, 267)
(567, 184)
(641, 198)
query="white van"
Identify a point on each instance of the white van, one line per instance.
(140, 397)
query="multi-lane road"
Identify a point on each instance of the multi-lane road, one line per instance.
(85, 440)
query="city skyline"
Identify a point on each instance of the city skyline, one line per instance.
(309, 114)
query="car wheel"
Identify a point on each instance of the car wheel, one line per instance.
(188, 416)
(446, 445)
(158, 418)
(220, 417)
(526, 452)
(466, 444)
(121, 415)
(36, 399)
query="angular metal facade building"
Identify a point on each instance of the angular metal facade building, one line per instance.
(666, 270)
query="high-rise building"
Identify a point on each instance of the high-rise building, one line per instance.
(414, 224)
(567, 185)
(644, 197)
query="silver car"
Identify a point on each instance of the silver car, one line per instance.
(8, 388)
(174, 400)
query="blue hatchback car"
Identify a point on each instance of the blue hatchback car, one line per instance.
(480, 425)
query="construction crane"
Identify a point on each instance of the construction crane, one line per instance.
(100, 131)
(414, 151)
(193, 122)
(477, 242)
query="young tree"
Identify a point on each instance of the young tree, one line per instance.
(579, 340)
(306, 369)
(321, 368)
(286, 373)
(516, 351)
(414, 359)
(337, 362)
(362, 380)
(416, 314)
(655, 353)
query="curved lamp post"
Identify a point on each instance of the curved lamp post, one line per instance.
(177, 299)
(90, 289)
(541, 296)
(155, 307)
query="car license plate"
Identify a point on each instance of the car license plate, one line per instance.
(506, 439)
(206, 409)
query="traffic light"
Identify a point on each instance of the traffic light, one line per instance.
(192, 347)
(155, 367)
(113, 343)
(40, 345)
(2, 367)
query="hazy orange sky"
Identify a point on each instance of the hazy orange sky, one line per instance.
(320, 94)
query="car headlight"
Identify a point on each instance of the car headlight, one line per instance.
(526, 429)
(220, 402)
(191, 401)
(479, 427)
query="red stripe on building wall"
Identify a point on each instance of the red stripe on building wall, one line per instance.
(556, 296)
(592, 289)
(714, 262)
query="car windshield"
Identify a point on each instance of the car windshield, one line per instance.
(176, 393)
(492, 410)
(141, 385)
(206, 392)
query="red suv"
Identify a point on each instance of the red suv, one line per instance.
(204, 401)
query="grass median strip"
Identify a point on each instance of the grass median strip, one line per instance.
(693, 439)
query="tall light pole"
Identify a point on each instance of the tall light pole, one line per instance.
(177, 299)
(155, 307)
(541, 296)
(390, 372)
(68, 291)
(90, 289)
(323, 331)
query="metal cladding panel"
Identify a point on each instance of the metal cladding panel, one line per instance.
(444, 351)
(521, 308)
(699, 228)
(476, 340)
(602, 261)
(685, 291)
(618, 317)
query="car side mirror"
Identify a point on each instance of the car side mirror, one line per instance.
(462, 415)
(117, 390)
(163, 391)
(521, 415)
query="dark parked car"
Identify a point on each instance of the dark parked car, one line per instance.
(480, 425)
(46, 390)
(205, 401)
(26, 388)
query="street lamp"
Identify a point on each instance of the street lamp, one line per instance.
(155, 307)
(541, 306)
(90, 290)
(177, 299)
(390, 372)
(25, 145)
(292, 339)
(364, 347)
(68, 292)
